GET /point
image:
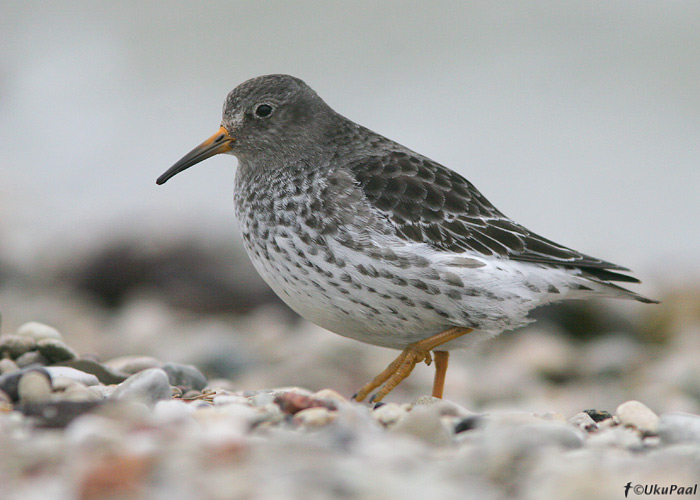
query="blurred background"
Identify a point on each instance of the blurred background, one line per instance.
(579, 120)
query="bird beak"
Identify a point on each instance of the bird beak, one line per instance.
(220, 142)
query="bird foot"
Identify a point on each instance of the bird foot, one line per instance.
(403, 365)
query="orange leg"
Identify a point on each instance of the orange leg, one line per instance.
(441, 359)
(403, 365)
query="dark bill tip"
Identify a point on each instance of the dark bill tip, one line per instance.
(220, 142)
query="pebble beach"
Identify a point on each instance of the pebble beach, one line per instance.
(265, 411)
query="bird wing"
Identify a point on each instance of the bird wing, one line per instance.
(429, 203)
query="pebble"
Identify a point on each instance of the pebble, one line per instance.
(186, 377)
(56, 350)
(424, 423)
(133, 364)
(103, 373)
(679, 428)
(32, 358)
(7, 366)
(389, 414)
(39, 331)
(16, 345)
(616, 437)
(73, 374)
(314, 417)
(34, 387)
(149, 386)
(584, 422)
(637, 415)
(9, 382)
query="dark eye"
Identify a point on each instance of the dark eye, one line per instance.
(263, 110)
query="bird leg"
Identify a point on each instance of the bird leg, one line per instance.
(403, 365)
(441, 359)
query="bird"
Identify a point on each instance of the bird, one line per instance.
(375, 242)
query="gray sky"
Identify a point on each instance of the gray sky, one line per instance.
(579, 120)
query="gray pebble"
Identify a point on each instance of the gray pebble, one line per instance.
(187, 377)
(39, 331)
(34, 387)
(32, 358)
(73, 374)
(16, 345)
(679, 428)
(149, 386)
(56, 350)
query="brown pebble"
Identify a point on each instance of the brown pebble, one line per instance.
(293, 402)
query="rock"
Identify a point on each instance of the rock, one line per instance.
(57, 414)
(133, 364)
(73, 374)
(293, 402)
(314, 417)
(79, 392)
(468, 423)
(34, 387)
(637, 415)
(16, 345)
(149, 386)
(598, 415)
(424, 423)
(330, 395)
(9, 382)
(32, 358)
(616, 437)
(56, 350)
(389, 414)
(39, 331)
(679, 428)
(583, 421)
(103, 373)
(186, 377)
(7, 366)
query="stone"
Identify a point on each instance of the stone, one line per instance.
(73, 374)
(389, 414)
(34, 387)
(637, 415)
(468, 423)
(314, 417)
(330, 395)
(16, 345)
(186, 377)
(7, 366)
(616, 437)
(79, 392)
(32, 358)
(424, 423)
(133, 364)
(9, 382)
(676, 428)
(291, 402)
(56, 350)
(149, 386)
(39, 331)
(57, 414)
(583, 421)
(598, 415)
(103, 373)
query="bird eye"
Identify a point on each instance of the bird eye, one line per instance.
(263, 110)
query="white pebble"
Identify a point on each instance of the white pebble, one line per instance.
(34, 387)
(637, 415)
(39, 331)
(73, 374)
